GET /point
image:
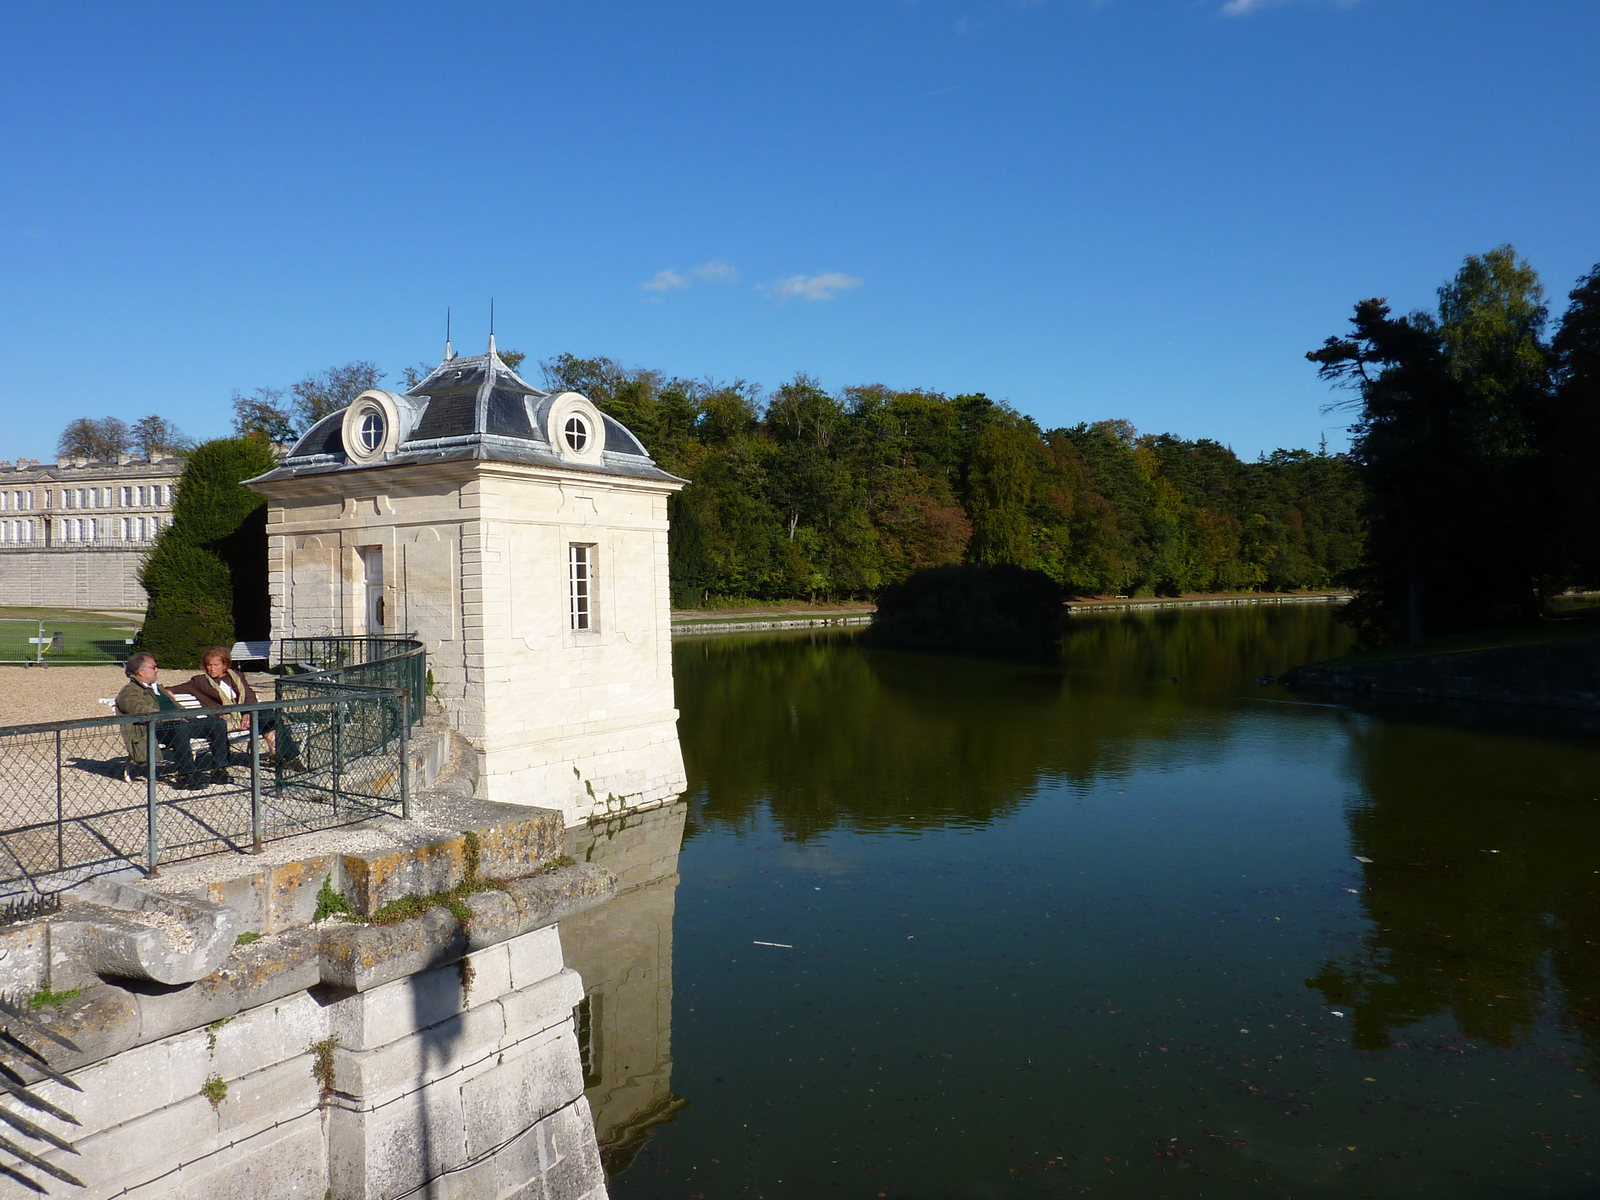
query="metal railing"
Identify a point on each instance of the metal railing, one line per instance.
(78, 796)
(337, 661)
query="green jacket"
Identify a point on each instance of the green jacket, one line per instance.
(136, 700)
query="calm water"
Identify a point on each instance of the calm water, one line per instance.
(1098, 927)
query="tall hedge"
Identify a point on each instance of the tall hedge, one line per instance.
(206, 575)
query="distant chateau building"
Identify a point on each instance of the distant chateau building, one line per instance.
(72, 535)
(523, 536)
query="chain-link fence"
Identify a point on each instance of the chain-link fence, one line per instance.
(33, 642)
(79, 796)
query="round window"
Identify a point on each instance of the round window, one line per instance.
(370, 431)
(577, 433)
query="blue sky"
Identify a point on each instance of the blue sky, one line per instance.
(1089, 208)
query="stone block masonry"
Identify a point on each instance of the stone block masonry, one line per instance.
(430, 1056)
(98, 577)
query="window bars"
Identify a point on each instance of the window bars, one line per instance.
(580, 585)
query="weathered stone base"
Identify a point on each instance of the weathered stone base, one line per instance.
(466, 1075)
(435, 1055)
(589, 775)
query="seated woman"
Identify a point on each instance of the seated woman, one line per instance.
(220, 686)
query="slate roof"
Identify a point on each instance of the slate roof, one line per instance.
(468, 408)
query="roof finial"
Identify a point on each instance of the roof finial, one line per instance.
(448, 352)
(491, 325)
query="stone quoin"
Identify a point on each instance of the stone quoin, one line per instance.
(522, 535)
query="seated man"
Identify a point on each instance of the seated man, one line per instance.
(220, 686)
(142, 695)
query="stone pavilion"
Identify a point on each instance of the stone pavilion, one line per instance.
(522, 535)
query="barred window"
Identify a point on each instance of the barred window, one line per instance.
(580, 584)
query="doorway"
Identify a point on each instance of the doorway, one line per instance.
(372, 572)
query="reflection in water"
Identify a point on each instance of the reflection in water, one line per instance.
(829, 734)
(1484, 884)
(623, 951)
(968, 927)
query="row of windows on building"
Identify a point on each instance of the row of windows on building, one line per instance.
(133, 496)
(139, 496)
(83, 530)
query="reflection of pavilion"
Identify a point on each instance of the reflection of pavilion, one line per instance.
(623, 951)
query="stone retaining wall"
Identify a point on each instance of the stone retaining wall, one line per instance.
(433, 1056)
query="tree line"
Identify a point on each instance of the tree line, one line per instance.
(1475, 441)
(807, 493)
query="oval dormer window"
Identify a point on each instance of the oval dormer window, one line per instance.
(370, 431)
(576, 431)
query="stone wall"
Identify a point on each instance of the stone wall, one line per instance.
(477, 1089)
(431, 1056)
(91, 577)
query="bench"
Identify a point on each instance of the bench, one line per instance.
(252, 651)
(236, 738)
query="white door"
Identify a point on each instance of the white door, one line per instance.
(372, 568)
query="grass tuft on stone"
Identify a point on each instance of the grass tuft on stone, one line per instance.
(45, 998)
(322, 1063)
(329, 902)
(214, 1090)
(211, 1034)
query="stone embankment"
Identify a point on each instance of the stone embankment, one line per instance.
(1149, 603)
(234, 1039)
(1555, 675)
(697, 621)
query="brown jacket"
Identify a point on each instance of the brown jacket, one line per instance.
(204, 689)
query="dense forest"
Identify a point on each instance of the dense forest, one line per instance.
(804, 493)
(1475, 441)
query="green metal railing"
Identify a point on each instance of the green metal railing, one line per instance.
(77, 797)
(337, 661)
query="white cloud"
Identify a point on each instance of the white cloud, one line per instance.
(716, 271)
(812, 287)
(665, 281)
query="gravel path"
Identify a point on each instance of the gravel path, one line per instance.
(30, 694)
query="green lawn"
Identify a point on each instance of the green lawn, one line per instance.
(96, 637)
